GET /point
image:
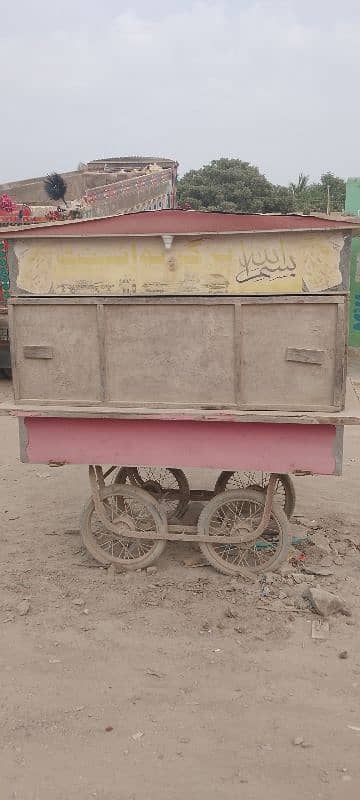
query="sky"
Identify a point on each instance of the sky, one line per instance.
(274, 82)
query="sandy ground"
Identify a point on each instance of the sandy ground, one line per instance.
(180, 684)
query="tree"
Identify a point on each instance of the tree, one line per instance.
(336, 190)
(301, 185)
(237, 186)
(229, 184)
(281, 201)
(55, 187)
(326, 196)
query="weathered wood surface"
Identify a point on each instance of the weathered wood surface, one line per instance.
(231, 264)
(305, 356)
(350, 415)
(38, 352)
(192, 353)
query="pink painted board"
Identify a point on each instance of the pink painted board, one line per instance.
(182, 443)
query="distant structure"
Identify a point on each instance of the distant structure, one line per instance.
(352, 207)
(105, 186)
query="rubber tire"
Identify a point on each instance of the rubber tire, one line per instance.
(7, 373)
(92, 547)
(121, 475)
(288, 484)
(216, 560)
(180, 477)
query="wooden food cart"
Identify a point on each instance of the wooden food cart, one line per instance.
(183, 340)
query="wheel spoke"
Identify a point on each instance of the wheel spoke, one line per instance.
(128, 514)
(169, 487)
(258, 480)
(234, 517)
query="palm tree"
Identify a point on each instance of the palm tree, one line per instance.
(301, 185)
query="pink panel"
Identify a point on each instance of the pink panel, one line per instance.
(187, 444)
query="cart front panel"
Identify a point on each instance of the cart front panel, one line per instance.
(283, 448)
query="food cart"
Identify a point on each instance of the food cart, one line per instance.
(162, 342)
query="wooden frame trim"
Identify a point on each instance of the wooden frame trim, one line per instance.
(249, 299)
(349, 416)
(13, 347)
(102, 350)
(31, 233)
(237, 352)
(231, 408)
(340, 353)
(339, 449)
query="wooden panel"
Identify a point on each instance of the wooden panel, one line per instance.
(170, 354)
(210, 353)
(269, 378)
(71, 334)
(226, 264)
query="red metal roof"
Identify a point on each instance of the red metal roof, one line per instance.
(152, 223)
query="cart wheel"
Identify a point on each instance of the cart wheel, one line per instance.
(168, 486)
(284, 490)
(121, 475)
(237, 511)
(132, 510)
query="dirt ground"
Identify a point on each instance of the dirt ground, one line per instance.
(180, 684)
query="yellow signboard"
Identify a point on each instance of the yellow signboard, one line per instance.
(232, 264)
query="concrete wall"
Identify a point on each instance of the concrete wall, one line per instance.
(142, 193)
(130, 163)
(79, 182)
(33, 192)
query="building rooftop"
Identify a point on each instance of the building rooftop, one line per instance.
(177, 222)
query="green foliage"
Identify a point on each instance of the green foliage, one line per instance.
(327, 195)
(301, 185)
(229, 184)
(281, 201)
